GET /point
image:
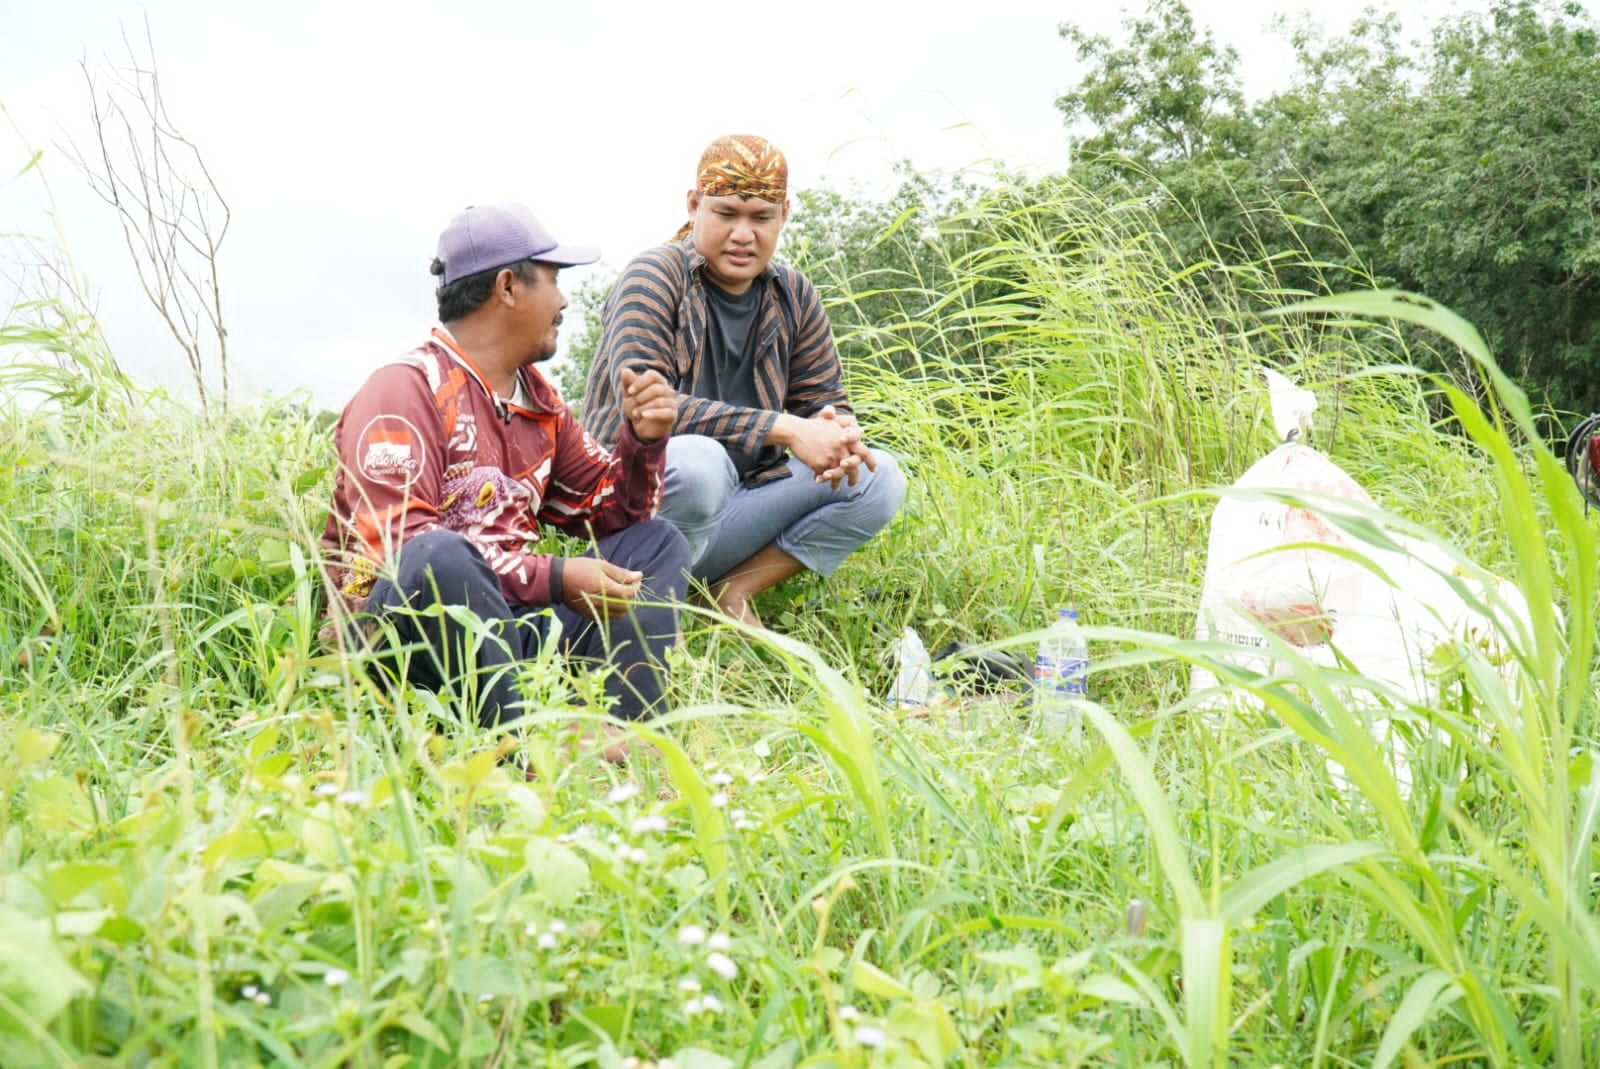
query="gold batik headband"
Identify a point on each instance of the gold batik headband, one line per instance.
(741, 165)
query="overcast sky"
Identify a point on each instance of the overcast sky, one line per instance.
(345, 134)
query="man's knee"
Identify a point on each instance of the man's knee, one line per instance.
(699, 479)
(661, 547)
(439, 561)
(658, 549)
(883, 493)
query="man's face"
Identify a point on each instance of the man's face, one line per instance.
(737, 235)
(539, 304)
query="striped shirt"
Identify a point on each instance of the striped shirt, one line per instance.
(656, 317)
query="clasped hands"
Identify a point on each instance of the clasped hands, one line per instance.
(829, 443)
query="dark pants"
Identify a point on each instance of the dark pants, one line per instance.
(439, 573)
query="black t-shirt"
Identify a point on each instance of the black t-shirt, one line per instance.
(726, 371)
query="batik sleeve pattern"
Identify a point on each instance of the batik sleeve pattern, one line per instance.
(397, 479)
(599, 491)
(391, 462)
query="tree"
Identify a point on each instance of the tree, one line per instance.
(885, 267)
(573, 370)
(1168, 93)
(1467, 169)
(1498, 210)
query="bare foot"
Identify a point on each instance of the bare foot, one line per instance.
(735, 605)
(614, 743)
(764, 569)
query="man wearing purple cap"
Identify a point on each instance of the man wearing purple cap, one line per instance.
(767, 473)
(453, 456)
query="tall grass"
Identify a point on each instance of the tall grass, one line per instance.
(220, 844)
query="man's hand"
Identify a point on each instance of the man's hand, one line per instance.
(845, 466)
(821, 442)
(649, 403)
(598, 589)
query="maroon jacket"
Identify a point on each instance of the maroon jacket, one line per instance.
(425, 443)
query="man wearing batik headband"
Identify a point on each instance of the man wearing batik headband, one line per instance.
(767, 474)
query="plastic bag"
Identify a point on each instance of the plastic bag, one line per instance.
(913, 675)
(1273, 569)
(1265, 571)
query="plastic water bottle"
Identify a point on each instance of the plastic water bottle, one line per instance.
(913, 672)
(1060, 677)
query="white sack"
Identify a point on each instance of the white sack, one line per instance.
(1320, 602)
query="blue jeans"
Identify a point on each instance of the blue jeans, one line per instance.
(439, 570)
(726, 522)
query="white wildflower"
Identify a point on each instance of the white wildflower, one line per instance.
(761, 749)
(622, 792)
(848, 1012)
(868, 1036)
(336, 977)
(721, 779)
(654, 824)
(719, 941)
(692, 1008)
(262, 999)
(691, 935)
(722, 965)
(637, 855)
(711, 1004)
(249, 991)
(325, 790)
(689, 984)
(558, 927)
(719, 799)
(547, 941)
(266, 811)
(353, 798)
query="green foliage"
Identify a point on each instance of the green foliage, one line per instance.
(571, 372)
(889, 262)
(1169, 92)
(1464, 170)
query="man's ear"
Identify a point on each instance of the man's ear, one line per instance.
(504, 287)
(694, 202)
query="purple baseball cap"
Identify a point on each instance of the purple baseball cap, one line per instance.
(498, 235)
